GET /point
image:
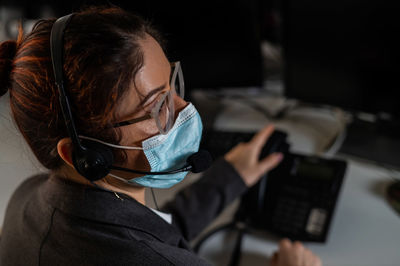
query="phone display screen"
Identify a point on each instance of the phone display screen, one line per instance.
(315, 171)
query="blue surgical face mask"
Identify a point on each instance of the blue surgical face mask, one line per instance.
(170, 151)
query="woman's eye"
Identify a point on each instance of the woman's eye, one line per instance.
(163, 105)
(149, 107)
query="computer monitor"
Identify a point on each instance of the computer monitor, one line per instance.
(343, 52)
(217, 41)
(346, 53)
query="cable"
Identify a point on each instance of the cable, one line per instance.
(107, 190)
(154, 199)
(241, 227)
(196, 248)
(237, 250)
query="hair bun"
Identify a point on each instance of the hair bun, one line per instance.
(8, 50)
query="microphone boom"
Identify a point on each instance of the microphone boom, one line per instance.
(196, 163)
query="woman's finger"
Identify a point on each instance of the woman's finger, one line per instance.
(270, 162)
(259, 140)
(285, 244)
(274, 259)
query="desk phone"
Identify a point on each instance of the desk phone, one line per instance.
(297, 199)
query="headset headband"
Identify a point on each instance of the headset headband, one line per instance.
(57, 49)
(92, 161)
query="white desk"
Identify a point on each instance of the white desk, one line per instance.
(365, 229)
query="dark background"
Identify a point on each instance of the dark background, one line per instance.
(338, 52)
(343, 52)
(217, 41)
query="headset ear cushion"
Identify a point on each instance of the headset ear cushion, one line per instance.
(94, 161)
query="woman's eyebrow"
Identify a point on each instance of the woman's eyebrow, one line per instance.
(146, 98)
(151, 93)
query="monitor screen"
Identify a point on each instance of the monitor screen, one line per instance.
(217, 41)
(343, 53)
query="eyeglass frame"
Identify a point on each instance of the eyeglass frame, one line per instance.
(155, 110)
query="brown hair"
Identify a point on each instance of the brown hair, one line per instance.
(101, 58)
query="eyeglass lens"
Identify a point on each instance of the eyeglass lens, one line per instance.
(164, 112)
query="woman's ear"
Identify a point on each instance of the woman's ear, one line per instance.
(64, 149)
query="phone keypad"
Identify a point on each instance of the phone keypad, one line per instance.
(290, 215)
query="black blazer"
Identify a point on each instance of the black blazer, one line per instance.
(51, 221)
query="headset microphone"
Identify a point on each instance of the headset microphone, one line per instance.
(200, 161)
(196, 163)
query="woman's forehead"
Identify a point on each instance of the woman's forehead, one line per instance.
(155, 60)
(154, 73)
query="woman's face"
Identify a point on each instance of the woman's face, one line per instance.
(151, 81)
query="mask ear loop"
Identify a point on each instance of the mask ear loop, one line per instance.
(111, 145)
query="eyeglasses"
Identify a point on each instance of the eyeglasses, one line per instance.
(163, 111)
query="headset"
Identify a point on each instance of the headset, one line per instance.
(91, 159)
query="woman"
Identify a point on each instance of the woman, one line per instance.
(124, 94)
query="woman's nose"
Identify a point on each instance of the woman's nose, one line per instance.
(179, 103)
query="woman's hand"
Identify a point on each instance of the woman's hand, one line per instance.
(294, 254)
(244, 157)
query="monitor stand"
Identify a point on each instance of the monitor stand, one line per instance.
(378, 142)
